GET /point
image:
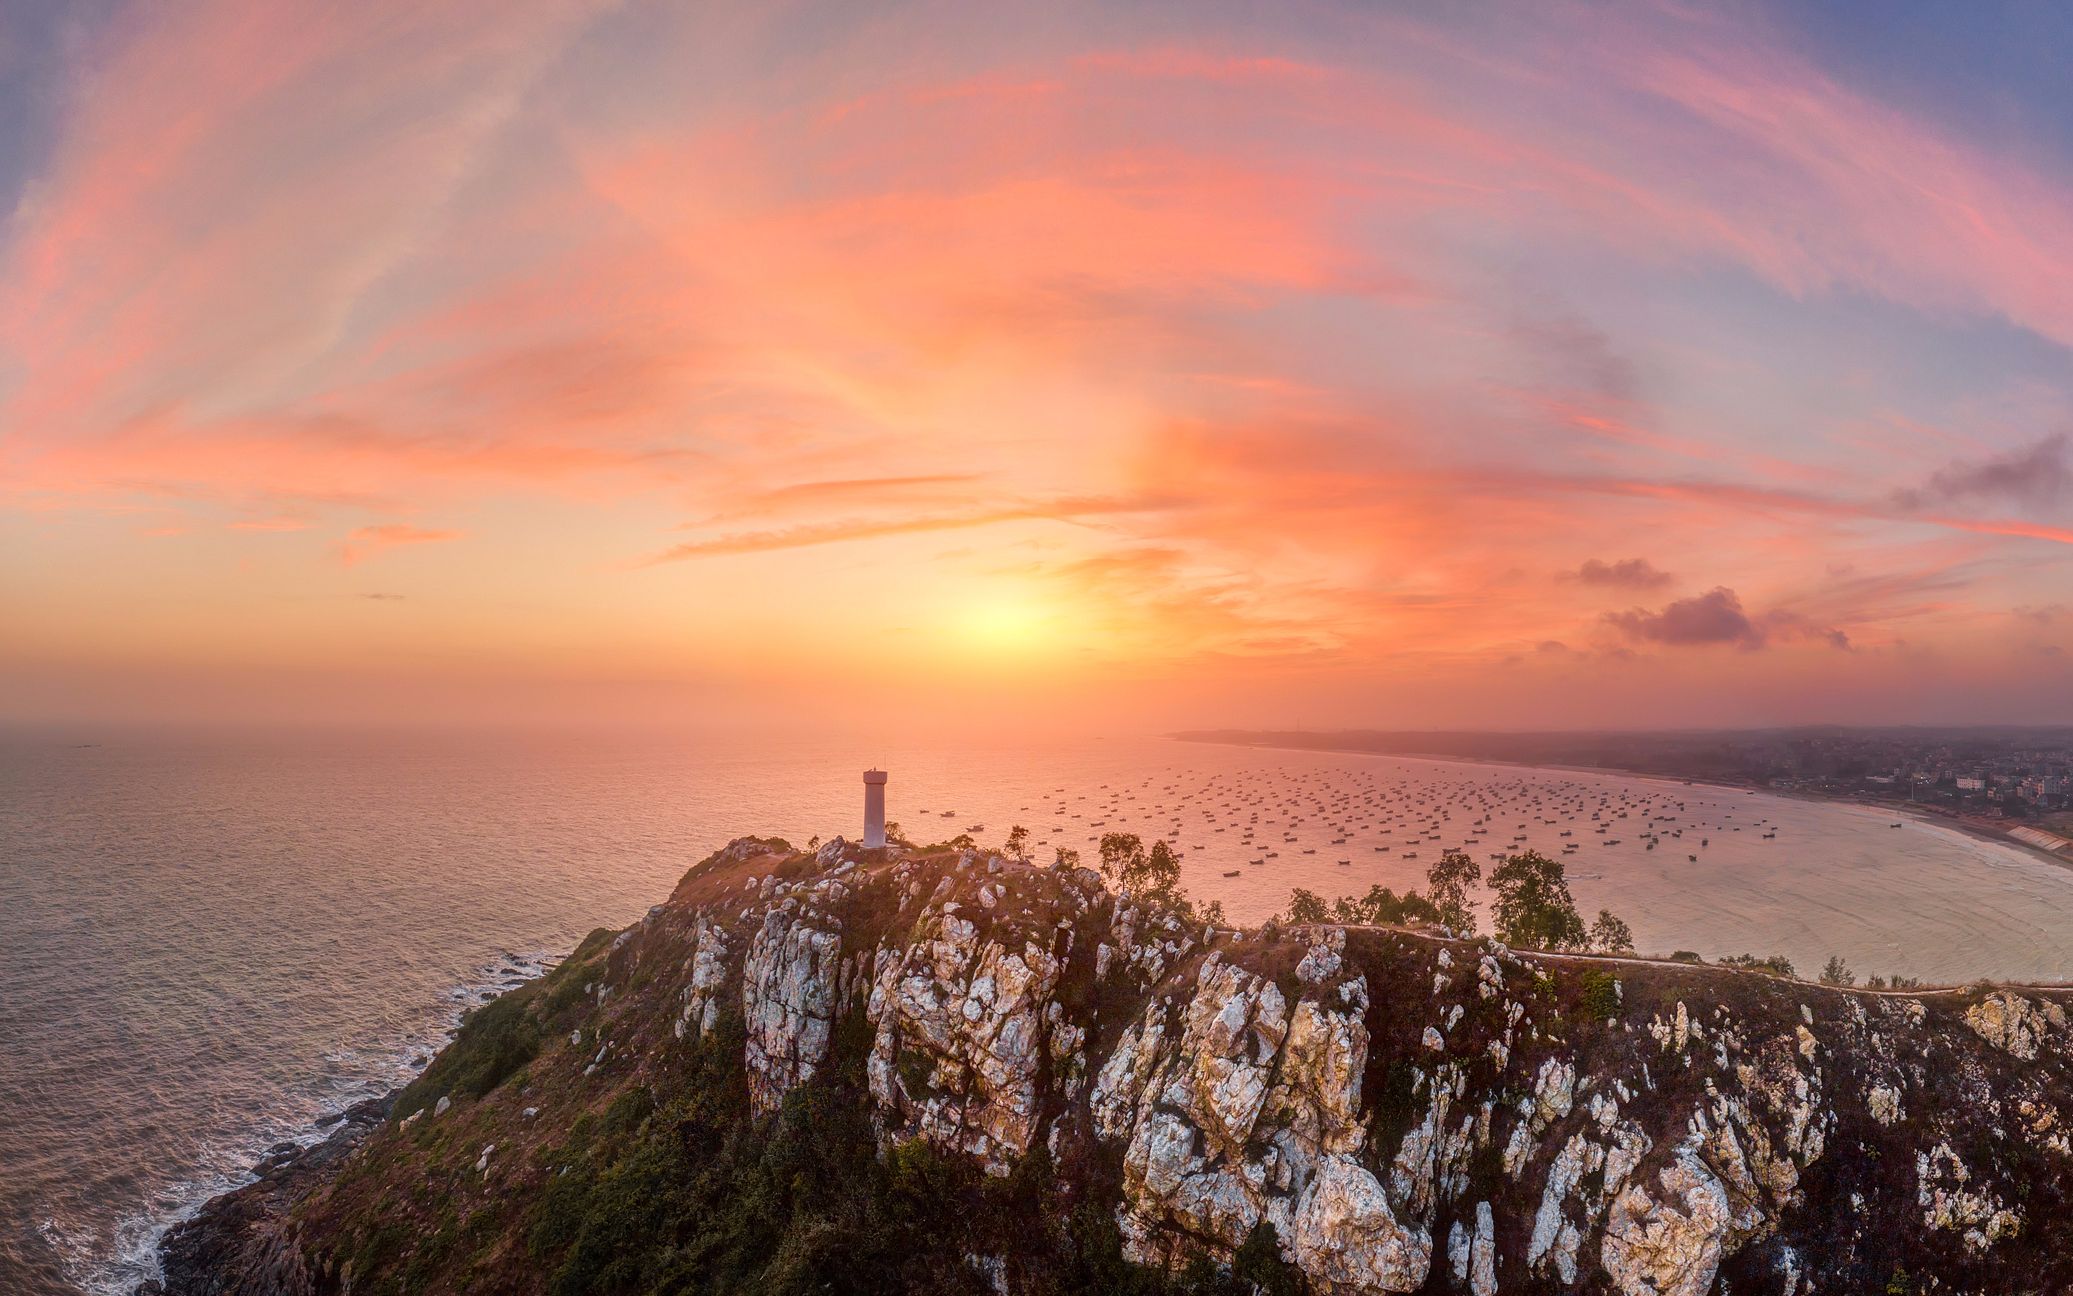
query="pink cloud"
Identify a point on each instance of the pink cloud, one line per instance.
(1870, 197)
(1248, 298)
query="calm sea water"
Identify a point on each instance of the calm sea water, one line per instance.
(207, 943)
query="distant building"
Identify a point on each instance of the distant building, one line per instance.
(874, 809)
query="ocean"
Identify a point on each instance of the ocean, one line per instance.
(208, 942)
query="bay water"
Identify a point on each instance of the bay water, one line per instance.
(209, 941)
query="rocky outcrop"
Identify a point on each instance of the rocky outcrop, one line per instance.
(707, 979)
(1667, 1239)
(1235, 1106)
(788, 998)
(2014, 1024)
(1473, 1253)
(959, 1035)
(1950, 1201)
(1407, 1111)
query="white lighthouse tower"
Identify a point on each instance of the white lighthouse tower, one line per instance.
(874, 809)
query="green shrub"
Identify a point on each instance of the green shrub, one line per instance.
(1601, 995)
(914, 1068)
(1259, 1268)
(679, 1188)
(1775, 964)
(627, 1112)
(1396, 1105)
(595, 943)
(495, 1041)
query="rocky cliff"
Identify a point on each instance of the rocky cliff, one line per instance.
(948, 1071)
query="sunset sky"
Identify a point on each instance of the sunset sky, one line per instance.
(1491, 365)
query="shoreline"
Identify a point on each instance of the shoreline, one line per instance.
(303, 1144)
(1977, 830)
(255, 1211)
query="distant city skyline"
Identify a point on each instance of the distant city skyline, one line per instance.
(1478, 366)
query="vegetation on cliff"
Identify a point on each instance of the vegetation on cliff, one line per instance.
(954, 1071)
(659, 1176)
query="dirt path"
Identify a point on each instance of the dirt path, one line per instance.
(1638, 960)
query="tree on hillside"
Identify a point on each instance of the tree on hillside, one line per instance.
(1534, 908)
(1305, 907)
(1066, 858)
(1610, 935)
(1159, 876)
(1775, 964)
(1447, 885)
(1118, 852)
(1381, 906)
(1018, 843)
(1151, 876)
(1837, 973)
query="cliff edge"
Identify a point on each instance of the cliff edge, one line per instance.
(898, 1070)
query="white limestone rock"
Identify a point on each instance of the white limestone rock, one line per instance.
(709, 967)
(788, 999)
(2012, 1023)
(956, 1051)
(1949, 1200)
(1669, 1242)
(1346, 1237)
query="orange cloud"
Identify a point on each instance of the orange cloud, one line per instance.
(1328, 340)
(366, 542)
(806, 536)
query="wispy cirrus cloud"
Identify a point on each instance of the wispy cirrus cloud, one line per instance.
(368, 541)
(1324, 337)
(796, 497)
(807, 535)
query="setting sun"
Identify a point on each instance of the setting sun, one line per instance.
(1181, 647)
(1009, 628)
(1279, 365)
